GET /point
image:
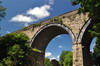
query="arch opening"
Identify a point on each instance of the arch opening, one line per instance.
(45, 35)
(59, 49)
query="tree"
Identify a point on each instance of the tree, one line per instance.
(15, 50)
(9, 40)
(66, 58)
(55, 62)
(91, 6)
(47, 62)
(96, 53)
(2, 11)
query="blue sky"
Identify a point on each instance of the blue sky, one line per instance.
(21, 13)
(27, 9)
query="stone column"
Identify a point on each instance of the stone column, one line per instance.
(77, 54)
(40, 59)
(37, 60)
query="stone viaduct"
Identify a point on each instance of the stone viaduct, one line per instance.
(73, 23)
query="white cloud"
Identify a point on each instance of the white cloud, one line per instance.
(52, 58)
(8, 32)
(26, 24)
(51, 2)
(40, 12)
(58, 36)
(47, 54)
(21, 18)
(36, 12)
(58, 57)
(60, 46)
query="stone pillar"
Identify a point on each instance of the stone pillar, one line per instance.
(40, 59)
(77, 54)
(37, 60)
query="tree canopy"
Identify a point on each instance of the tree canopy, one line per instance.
(2, 11)
(15, 50)
(66, 58)
(47, 62)
(55, 62)
(91, 6)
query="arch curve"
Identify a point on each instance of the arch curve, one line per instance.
(84, 35)
(85, 39)
(41, 39)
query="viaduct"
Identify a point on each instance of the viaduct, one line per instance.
(73, 23)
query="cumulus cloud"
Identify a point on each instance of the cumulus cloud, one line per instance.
(40, 12)
(33, 14)
(47, 54)
(8, 32)
(58, 36)
(60, 46)
(26, 24)
(58, 57)
(52, 58)
(21, 18)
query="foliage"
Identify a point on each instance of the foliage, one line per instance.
(66, 58)
(56, 19)
(91, 6)
(96, 54)
(9, 40)
(2, 11)
(15, 50)
(36, 50)
(55, 62)
(47, 62)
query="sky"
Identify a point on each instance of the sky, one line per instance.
(21, 13)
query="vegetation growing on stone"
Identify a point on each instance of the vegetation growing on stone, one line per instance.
(56, 19)
(36, 50)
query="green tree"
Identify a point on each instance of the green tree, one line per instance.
(47, 62)
(96, 53)
(55, 62)
(15, 50)
(9, 40)
(91, 6)
(2, 11)
(66, 58)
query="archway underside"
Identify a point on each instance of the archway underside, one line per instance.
(43, 37)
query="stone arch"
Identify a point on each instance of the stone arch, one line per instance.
(56, 29)
(45, 34)
(85, 39)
